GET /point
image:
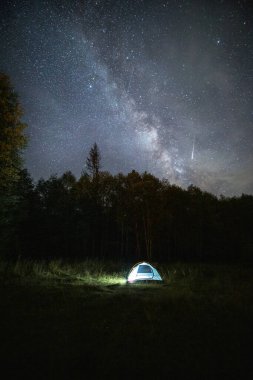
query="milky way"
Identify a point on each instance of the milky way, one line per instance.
(160, 86)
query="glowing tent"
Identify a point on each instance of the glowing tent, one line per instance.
(143, 272)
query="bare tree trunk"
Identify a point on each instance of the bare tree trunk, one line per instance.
(122, 240)
(147, 234)
(138, 248)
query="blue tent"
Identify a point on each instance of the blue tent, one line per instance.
(143, 272)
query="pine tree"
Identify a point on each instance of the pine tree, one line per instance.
(93, 161)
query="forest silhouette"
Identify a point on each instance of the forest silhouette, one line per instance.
(125, 217)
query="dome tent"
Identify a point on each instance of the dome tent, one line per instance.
(143, 272)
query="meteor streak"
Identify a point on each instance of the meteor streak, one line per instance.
(193, 149)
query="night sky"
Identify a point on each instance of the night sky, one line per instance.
(162, 86)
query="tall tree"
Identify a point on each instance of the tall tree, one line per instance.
(12, 139)
(93, 161)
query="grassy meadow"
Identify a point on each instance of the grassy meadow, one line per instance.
(81, 321)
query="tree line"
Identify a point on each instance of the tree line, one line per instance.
(127, 217)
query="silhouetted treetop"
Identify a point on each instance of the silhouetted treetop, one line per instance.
(93, 161)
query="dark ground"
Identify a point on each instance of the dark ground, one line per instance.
(199, 328)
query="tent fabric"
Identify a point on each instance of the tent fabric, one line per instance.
(143, 272)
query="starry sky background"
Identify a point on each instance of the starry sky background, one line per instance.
(162, 86)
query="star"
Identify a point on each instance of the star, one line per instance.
(142, 79)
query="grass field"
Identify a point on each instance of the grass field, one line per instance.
(81, 321)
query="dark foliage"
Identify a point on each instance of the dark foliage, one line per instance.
(129, 217)
(12, 142)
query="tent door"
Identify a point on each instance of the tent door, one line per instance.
(144, 272)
